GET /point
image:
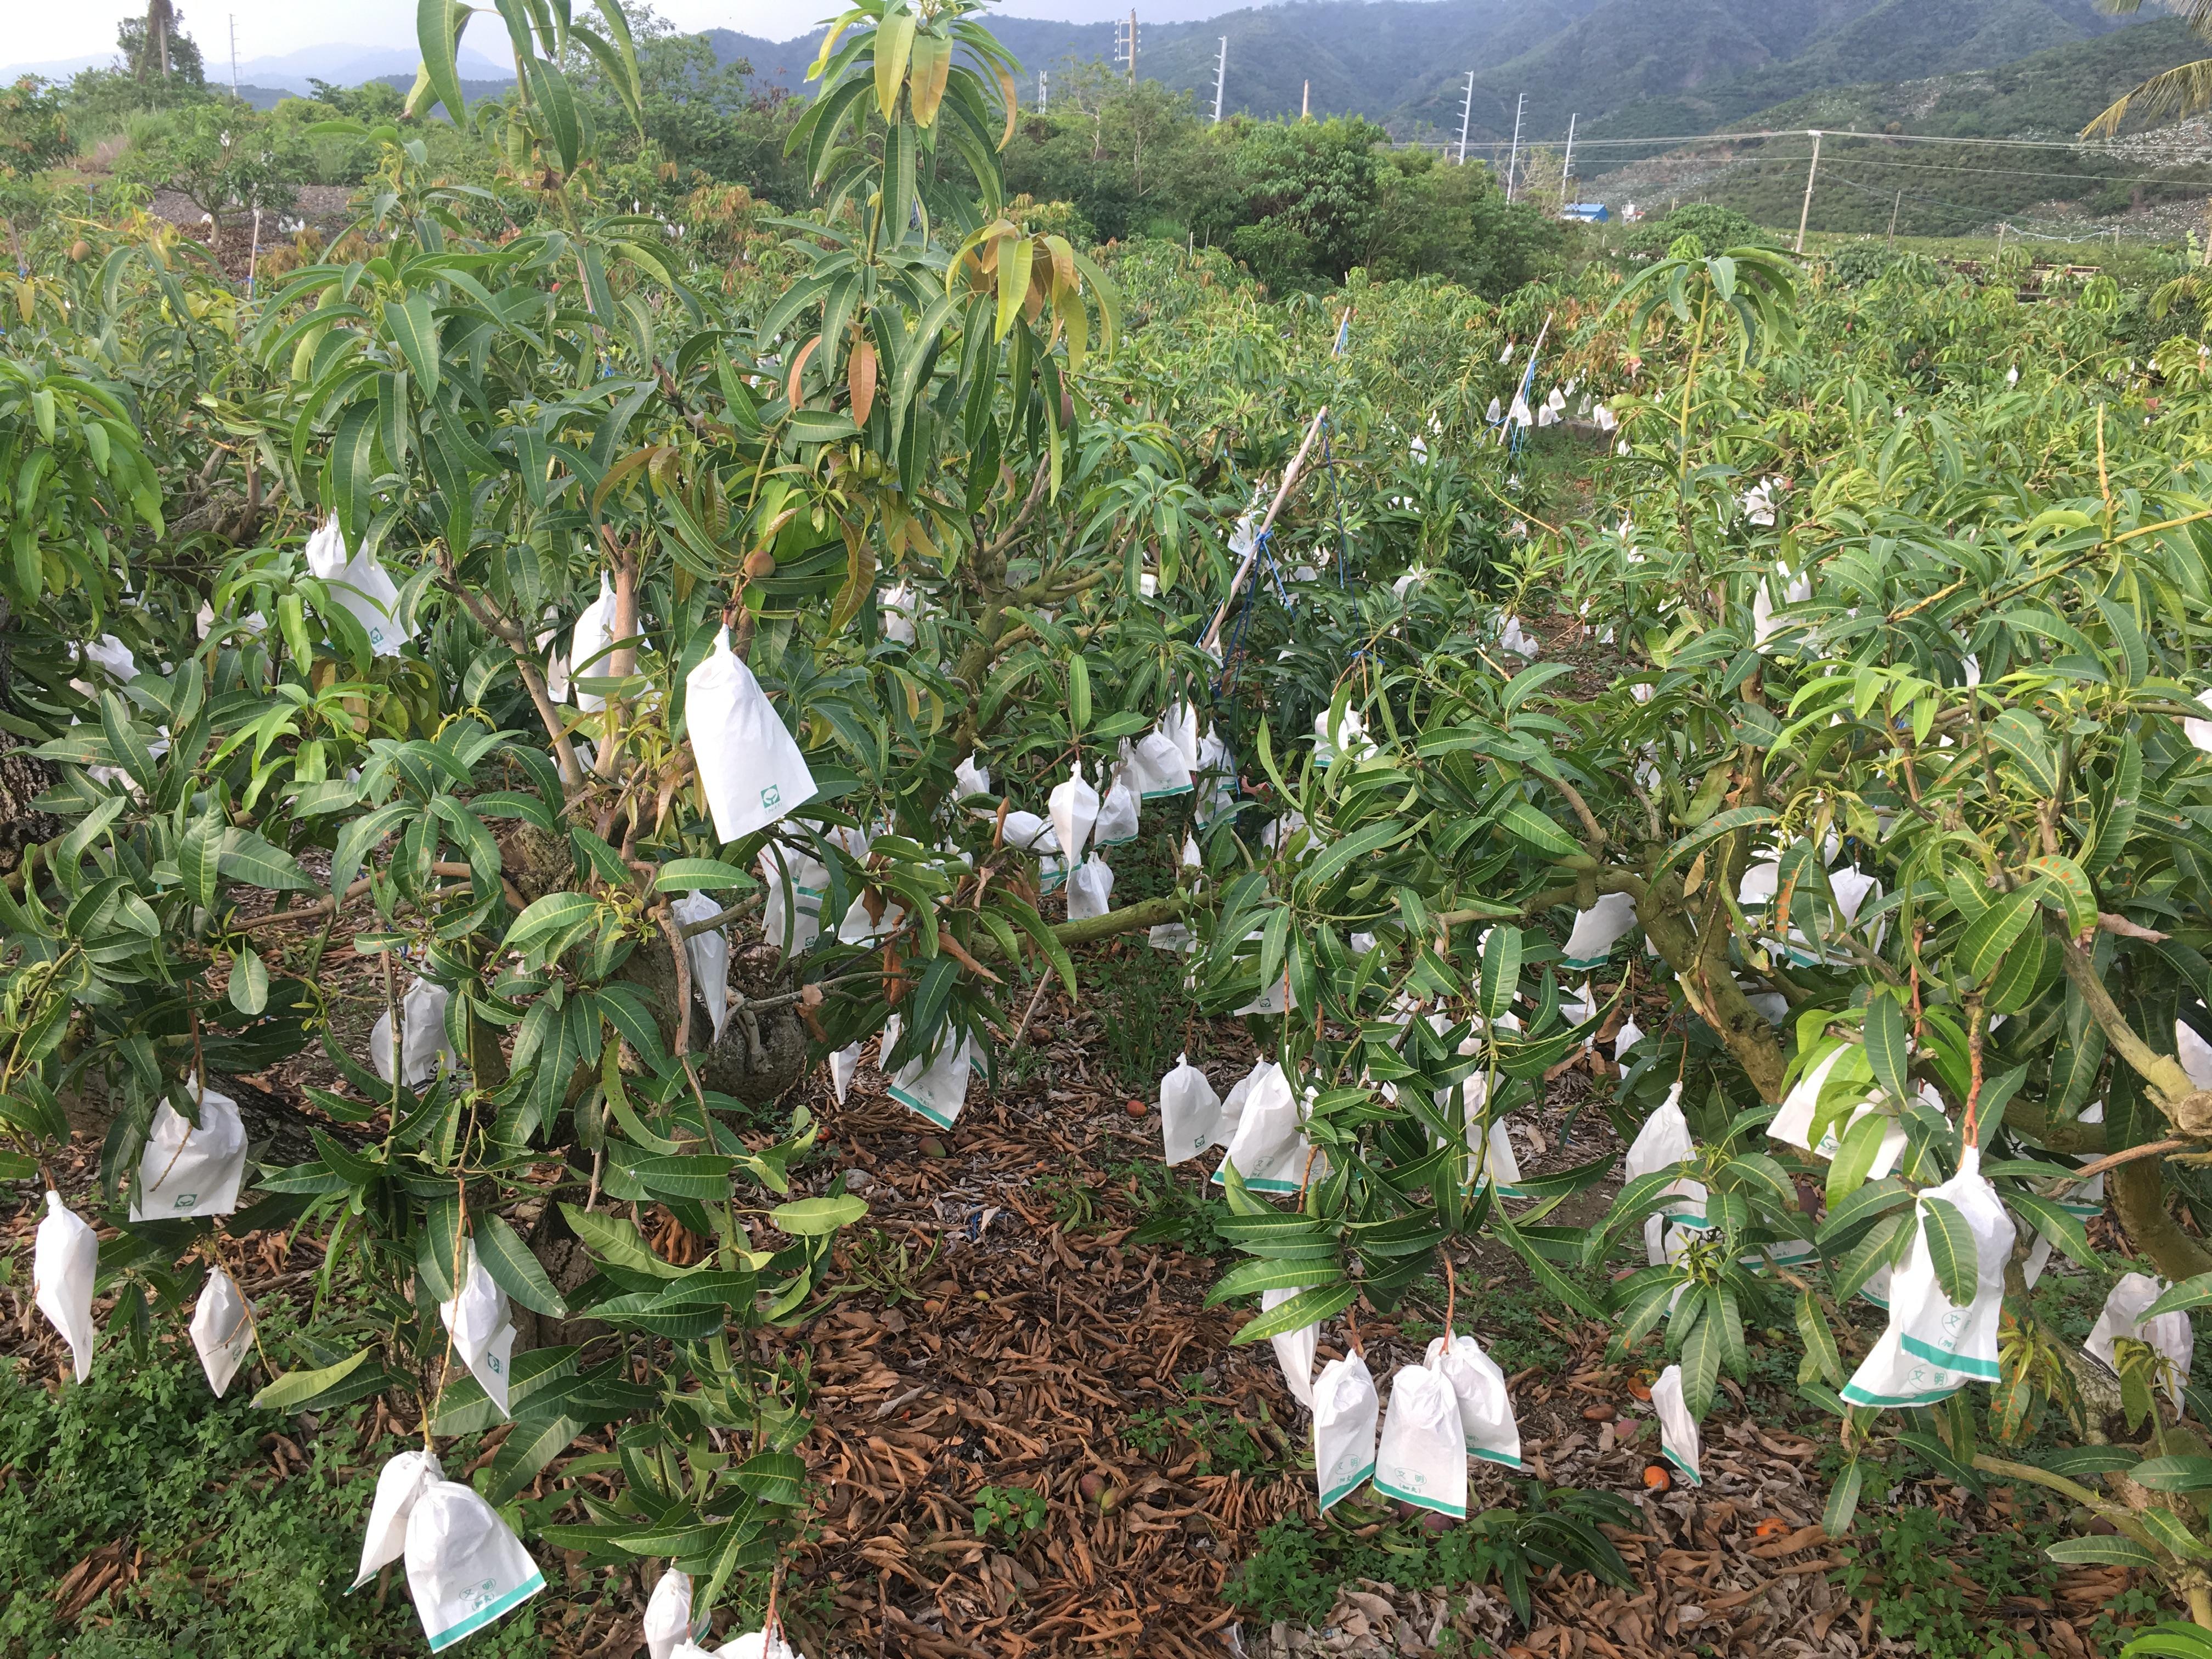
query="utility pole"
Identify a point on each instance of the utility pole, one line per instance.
(233, 54)
(1305, 103)
(1465, 110)
(1220, 79)
(1513, 160)
(1044, 91)
(1805, 212)
(1125, 45)
(1567, 167)
(1893, 207)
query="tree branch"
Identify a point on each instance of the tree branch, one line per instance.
(504, 628)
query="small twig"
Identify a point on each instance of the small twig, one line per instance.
(2112, 1161)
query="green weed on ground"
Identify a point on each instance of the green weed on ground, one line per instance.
(1296, 1566)
(1222, 1439)
(220, 1558)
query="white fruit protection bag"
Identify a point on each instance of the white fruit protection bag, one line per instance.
(1190, 1112)
(1422, 1460)
(222, 1329)
(1158, 765)
(1119, 812)
(1269, 1148)
(1486, 1409)
(749, 765)
(423, 1044)
(1344, 1417)
(1678, 1430)
(360, 585)
(400, 1485)
(587, 647)
(936, 1086)
(895, 609)
(753, 1644)
(1663, 1142)
(1089, 890)
(465, 1567)
(791, 919)
(1294, 1350)
(2169, 1333)
(668, 1623)
(1597, 930)
(64, 1262)
(842, 1064)
(1932, 1347)
(1073, 805)
(483, 1330)
(707, 954)
(970, 777)
(186, 1171)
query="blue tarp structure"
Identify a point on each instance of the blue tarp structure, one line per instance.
(1592, 213)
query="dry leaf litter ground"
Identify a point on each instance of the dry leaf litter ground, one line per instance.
(998, 1327)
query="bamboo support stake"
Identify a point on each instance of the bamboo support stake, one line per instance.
(1212, 643)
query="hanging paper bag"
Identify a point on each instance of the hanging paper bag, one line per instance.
(186, 1171)
(2169, 1333)
(749, 766)
(1345, 1414)
(1422, 1459)
(423, 1045)
(1678, 1430)
(588, 650)
(1294, 1350)
(668, 1621)
(1190, 1112)
(1089, 891)
(758, 1644)
(1931, 1347)
(1027, 832)
(791, 919)
(1494, 1158)
(1793, 1124)
(1232, 1103)
(64, 1262)
(707, 954)
(1486, 1408)
(482, 1331)
(400, 1485)
(1597, 930)
(935, 1086)
(359, 584)
(1179, 726)
(222, 1329)
(1931, 1326)
(897, 608)
(842, 1064)
(1074, 808)
(1270, 1149)
(971, 777)
(1158, 764)
(1626, 1038)
(557, 665)
(1663, 1142)
(1118, 813)
(465, 1567)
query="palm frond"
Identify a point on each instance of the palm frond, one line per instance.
(2198, 14)
(2183, 90)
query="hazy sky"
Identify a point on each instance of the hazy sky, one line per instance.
(267, 28)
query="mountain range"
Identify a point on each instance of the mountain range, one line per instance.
(1625, 70)
(1623, 67)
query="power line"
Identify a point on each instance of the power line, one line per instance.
(1679, 140)
(2003, 172)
